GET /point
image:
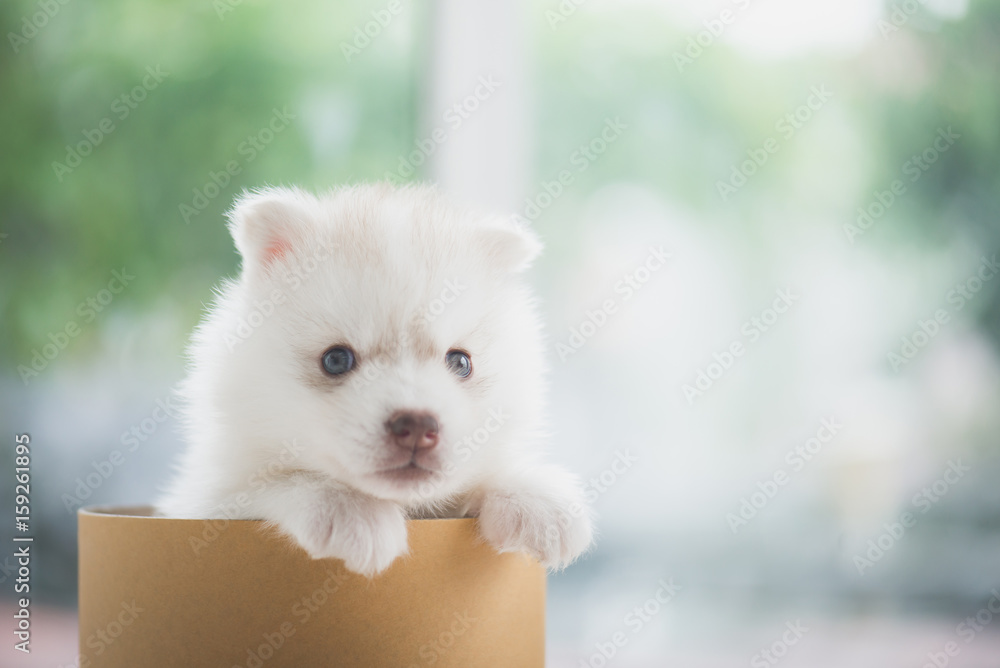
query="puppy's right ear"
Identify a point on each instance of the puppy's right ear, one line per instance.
(510, 244)
(267, 224)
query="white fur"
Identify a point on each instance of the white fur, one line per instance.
(271, 436)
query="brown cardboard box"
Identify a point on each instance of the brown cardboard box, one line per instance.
(164, 592)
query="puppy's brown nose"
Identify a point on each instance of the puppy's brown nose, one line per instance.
(413, 431)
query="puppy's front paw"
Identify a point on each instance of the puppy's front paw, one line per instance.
(366, 533)
(556, 532)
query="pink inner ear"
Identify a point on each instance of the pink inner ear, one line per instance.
(275, 251)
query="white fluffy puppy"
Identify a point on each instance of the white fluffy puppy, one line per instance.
(378, 358)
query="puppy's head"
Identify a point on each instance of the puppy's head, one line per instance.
(385, 331)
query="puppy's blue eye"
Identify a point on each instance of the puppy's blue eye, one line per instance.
(338, 360)
(459, 362)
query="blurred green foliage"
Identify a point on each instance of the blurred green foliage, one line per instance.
(230, 64)
(687, 128)
(226, 72)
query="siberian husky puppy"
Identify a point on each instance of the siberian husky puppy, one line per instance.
(378, 358)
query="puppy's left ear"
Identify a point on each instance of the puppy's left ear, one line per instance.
(510, 244)
(269, 223)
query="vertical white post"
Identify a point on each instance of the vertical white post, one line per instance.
(477, 62)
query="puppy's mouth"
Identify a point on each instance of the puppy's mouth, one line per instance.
(410, 472)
